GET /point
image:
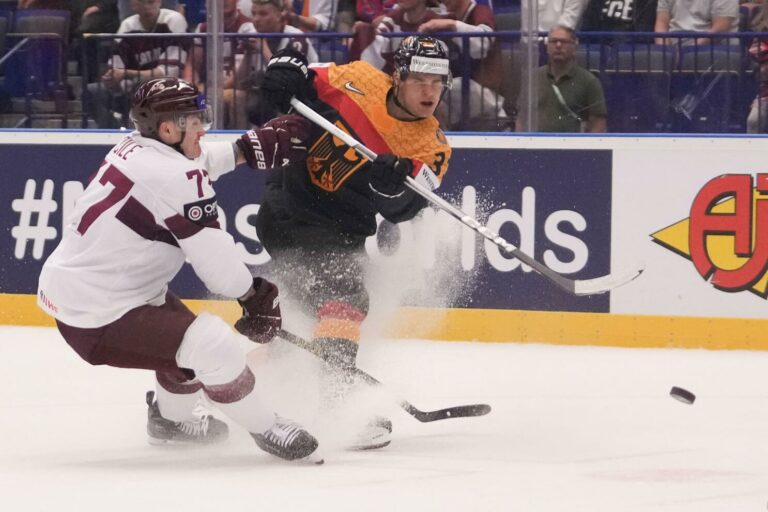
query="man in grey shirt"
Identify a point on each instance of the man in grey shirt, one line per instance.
(696, 16)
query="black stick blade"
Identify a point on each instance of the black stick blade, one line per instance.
(460, 411)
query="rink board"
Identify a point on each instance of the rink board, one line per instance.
(583, 205)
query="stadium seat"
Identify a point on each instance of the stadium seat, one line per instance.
(644, 57)
(5, 23)
(636, 84)
(331, 50)
(507, 21)
(703, 88)
(594, 57)
(38, 41)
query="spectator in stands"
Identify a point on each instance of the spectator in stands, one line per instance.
(92, 17)
(311, 15)
(307, 15)
(565, 13)
(696, 16)
(752, 16)
(86, 16)
(195, 12)
(125, 8)
(757, 121)
(369, 42)
(346, 15)
(232, 54)
(620, 16)
(569, 98)
(268, 18)
(485, 105)
(137, 59)
(369, 10)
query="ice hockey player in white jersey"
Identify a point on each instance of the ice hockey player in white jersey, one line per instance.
(150, 206)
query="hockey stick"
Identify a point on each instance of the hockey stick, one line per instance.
(574, 286)
(460, 411)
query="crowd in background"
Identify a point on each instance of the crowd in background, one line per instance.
(483, 96)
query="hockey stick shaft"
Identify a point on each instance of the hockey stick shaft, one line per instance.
(575, 287)
(461, 411)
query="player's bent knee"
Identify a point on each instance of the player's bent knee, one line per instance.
(212, 349)
(181, 382)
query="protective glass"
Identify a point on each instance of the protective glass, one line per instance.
(205, 117)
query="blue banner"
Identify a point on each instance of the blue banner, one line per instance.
(553, 204)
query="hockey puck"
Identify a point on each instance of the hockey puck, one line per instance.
(682, 395)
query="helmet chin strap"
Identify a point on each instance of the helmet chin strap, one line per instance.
(175, 145)
(183, 135)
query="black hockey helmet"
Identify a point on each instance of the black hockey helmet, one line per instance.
(169, 98)
(423, 54)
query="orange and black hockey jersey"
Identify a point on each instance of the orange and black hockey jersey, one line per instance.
(331, 188)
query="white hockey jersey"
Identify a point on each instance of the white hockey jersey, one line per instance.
(146, 210)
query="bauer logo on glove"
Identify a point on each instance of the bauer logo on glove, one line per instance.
(287, 76)
(256, 147)
(294, 62)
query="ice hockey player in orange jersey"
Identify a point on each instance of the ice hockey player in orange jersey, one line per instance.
(317, 213)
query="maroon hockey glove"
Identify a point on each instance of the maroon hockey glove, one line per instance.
(279, 142)
(261, 312)
(297, 127)
(388, 173)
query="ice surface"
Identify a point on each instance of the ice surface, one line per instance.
(573, 429)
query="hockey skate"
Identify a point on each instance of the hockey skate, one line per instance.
(204, 429)
(336, 386)
(376, 434)
(288, 440)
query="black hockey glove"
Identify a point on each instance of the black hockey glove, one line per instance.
(261, 312)
(281, 141)
(286, 76)
(388, 173)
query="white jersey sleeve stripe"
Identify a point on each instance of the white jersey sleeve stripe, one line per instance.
(139, 219)
(183, 228)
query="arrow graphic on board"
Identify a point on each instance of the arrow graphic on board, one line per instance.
(726, 235)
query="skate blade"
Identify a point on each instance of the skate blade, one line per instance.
(376, 438)
(365, 447)
(315, 458)
(173, 443)
(153, 441)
